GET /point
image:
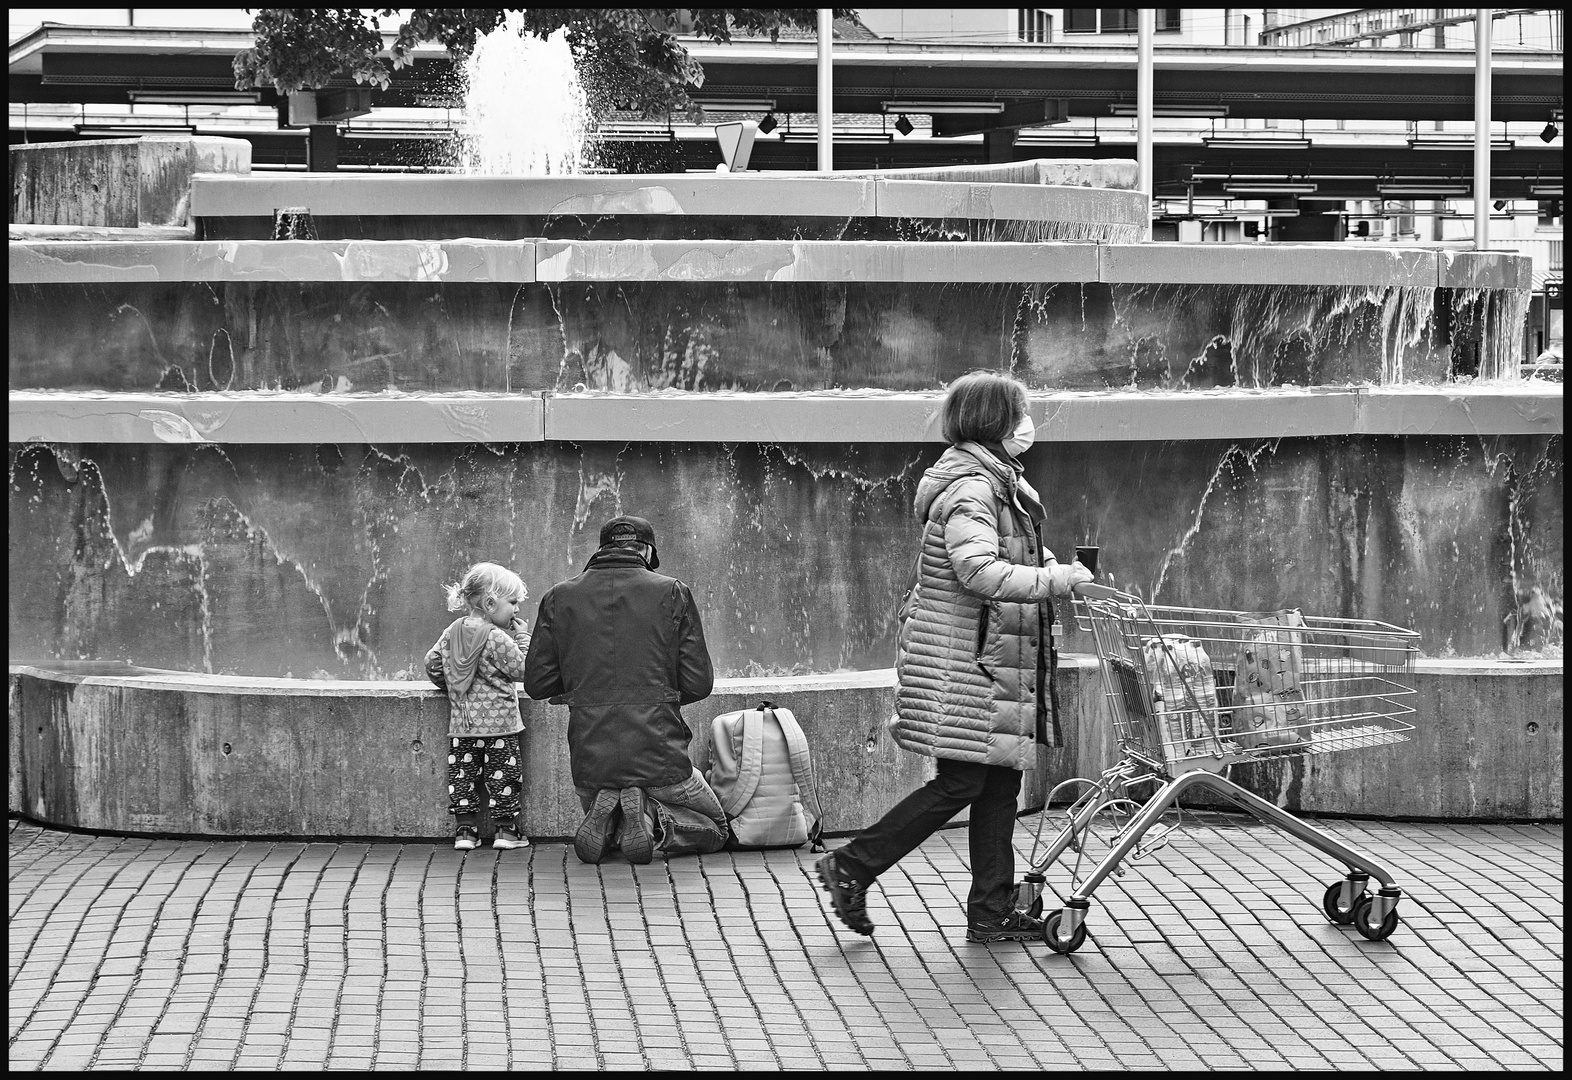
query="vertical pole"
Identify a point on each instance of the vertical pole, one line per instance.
(1146, 24)
(1482, 27)
(826, 91)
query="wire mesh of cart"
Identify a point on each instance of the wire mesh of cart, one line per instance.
(1193, 691)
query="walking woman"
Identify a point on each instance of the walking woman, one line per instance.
(974, 666)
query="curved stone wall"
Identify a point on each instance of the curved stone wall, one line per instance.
(167, 752)
(327, 560)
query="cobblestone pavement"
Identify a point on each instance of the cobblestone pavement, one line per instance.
(1212, 953)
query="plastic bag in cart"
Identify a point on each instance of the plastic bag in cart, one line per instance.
(1184, 695)
(1269, 707)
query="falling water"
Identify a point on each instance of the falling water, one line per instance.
(525, 113)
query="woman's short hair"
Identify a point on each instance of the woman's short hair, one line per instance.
(983, 406)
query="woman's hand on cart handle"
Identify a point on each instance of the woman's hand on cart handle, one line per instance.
(1065, 578)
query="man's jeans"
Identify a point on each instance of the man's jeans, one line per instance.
(991, 791)
(689, 819)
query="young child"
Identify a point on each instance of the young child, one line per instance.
(476, 660)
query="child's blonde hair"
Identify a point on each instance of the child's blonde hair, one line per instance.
(482, 580)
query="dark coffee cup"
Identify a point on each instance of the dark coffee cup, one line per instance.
(1087, 557)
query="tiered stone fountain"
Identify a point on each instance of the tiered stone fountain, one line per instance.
(252, 463)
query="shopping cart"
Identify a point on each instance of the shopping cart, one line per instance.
(1193, 691)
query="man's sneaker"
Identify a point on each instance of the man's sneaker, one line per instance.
(848, 896)
(599, 827)
(509, 836)
(1016, 926)
(466, 838)
(638, 845)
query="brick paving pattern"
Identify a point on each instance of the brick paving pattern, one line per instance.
(1210, 953)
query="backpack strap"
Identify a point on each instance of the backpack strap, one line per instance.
(801, 771)
(750, 763)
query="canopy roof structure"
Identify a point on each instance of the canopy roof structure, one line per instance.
(1025, 85)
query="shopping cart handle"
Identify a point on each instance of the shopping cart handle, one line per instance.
(1097, 592)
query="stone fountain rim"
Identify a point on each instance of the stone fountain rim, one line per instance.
(788, 195)
(266, 686)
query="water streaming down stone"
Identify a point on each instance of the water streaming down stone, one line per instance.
(714, 335)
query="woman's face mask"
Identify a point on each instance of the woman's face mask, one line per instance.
(1021, 438)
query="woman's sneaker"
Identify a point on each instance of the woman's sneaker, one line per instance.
(466, 838)
(1016, 926)
(848, 896)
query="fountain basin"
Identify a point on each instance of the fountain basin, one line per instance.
(263, 458)
(169, 752)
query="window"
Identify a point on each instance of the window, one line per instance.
(1116, 21)
(1034, 24)
(1080, 20)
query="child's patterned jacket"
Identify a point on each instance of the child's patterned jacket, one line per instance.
(477, 663)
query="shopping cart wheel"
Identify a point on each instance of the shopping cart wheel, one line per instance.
(1051, 934)
(1035, 908)
(1368, 928)
(1332, 904)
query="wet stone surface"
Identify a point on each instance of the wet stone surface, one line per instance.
(650, 335)
(278, 560)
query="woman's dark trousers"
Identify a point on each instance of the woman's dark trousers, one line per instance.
(991, 791)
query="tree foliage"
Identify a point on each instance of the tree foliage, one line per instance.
(628, 58)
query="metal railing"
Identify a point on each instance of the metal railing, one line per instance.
(1411, 27)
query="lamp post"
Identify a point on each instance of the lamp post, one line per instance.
(1482, 27)
(826, 88)
(1146, 22)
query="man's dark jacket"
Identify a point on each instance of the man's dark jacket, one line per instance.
(623, 648)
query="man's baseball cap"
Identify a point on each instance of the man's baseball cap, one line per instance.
(631, 528)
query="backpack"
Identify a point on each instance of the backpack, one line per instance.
(1269, 703)
(1184, 696)
(761, 771)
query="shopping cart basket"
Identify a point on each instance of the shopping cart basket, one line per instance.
(1193, 691)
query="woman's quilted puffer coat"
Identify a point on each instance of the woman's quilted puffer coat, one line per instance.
(972, 657)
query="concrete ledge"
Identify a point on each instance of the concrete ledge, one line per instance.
(44, 261)
(1008, 202)
(812, 260)
(1115, 173)
(1270, 264)
(1530, 408)
(117, 183)
(1486, 270)
(262, 416)
(169, 752)
(37, 262)
(424, 196)
(747, 195)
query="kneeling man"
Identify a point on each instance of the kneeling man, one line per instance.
(623, 648)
